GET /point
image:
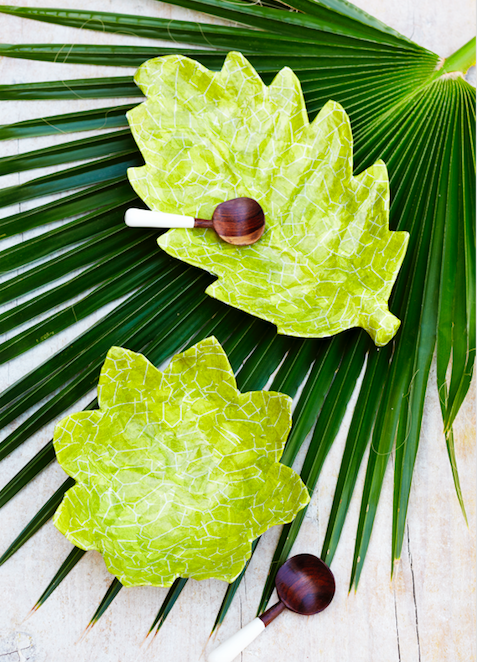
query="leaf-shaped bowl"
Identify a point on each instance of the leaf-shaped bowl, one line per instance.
(327, 260)
(177, 472)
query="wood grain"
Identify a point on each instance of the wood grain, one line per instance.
(239, 221)
(304, 584)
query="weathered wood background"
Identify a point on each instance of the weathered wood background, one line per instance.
(426, 614)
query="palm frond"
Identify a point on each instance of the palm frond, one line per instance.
(76, 150)
(77, 88)
(40, 461)
(108, 598)
(314, 27)
(93, 198)
(419, 119)
(97, 119)
(331, 413)
(92, 172)
(35, 524)
(166, 607)
(66, 567)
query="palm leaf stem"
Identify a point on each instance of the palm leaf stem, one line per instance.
(461, 60)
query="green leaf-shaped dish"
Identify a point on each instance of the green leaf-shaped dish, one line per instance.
(177, 472)
(327, 260)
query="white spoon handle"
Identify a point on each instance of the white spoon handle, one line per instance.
(229, 650)
(143, 218)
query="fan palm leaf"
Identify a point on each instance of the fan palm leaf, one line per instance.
(405, 106)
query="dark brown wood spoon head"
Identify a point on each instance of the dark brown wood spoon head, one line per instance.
(304, 584)
(240, 221)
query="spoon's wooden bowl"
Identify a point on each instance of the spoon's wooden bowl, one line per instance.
(305, 584)
(240, 221)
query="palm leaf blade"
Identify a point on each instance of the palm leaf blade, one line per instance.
(169, 601)
(105, 272)
(66, 567)
(42, 459)
(356, 443)
(326, 429)
(88, 120)
(77, 88)
(99, 195)
(42, 516)
(93, 172)
(108, 598)
(392, 411)
(77, 150)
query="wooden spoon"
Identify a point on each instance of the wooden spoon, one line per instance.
(240, 221)
(304, 584)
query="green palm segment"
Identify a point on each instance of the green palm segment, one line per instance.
(418, 118)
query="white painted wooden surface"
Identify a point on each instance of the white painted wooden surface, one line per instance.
(426, 614)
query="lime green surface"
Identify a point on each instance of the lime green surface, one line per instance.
(177, 472)
(327, 260)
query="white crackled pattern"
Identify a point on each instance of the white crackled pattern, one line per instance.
(327, 260)
(177, 472)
